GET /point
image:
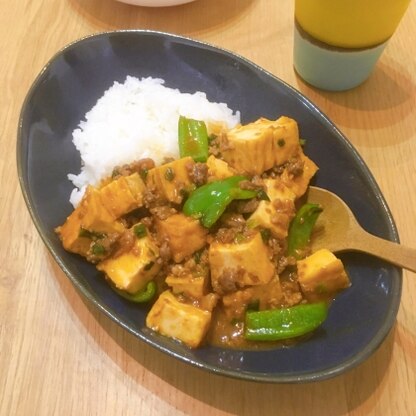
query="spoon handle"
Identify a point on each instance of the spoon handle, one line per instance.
(397, 254)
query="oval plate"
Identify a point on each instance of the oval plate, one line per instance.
(70, 84)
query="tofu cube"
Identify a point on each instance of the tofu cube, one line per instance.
(181, 321)
(171, 180)
(257, 147)
(218, 169)
(275, 189)
(277, 213)
(216, 127)
(131, 271)
(321, 274)
(95, 217)
(123, 195)
(190, 285)
(70, 234)
(299, 184)
(136, 186)
(90, 215)
(285, 139)
(270, 295)
(185, 235)
(236, 265)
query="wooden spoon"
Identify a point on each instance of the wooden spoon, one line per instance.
(337, 230)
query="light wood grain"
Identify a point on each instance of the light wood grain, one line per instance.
(60, 357)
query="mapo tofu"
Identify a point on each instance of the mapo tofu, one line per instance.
(206, 241)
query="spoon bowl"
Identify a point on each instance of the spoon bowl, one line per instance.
(337, 230)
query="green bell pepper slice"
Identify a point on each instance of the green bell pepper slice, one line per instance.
(193, 139)
(208, 202)
(301, 227)
(285, 323)
(144, 295)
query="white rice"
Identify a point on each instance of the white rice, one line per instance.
(134, 120)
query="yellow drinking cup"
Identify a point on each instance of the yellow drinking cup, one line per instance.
(350, 23)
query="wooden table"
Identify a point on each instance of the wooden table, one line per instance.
(58, 356)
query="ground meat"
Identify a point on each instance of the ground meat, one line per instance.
(163, 212)
(125, 243)
(229, 281)
(291, 293)
(214, 151)
(178, 270)
(283, 205)
(276, 247)
(255, 184)
(147, 222)
(239, 233)
(274, 173)
(276, 219)
(150, 197)
(214, 145)
(111, 239)
(198, 173)
(295, 166)
(226, 235)
(284, 262)
(190, 264)
(141, 166)
(136, 216)
(231, 220)
(249, 233)
(235, 304)
(107, 245)
(144, 165)
(202, 258)
(223, 142)
(189, 267)
(165, 252)
(246, 207)
(167, 159)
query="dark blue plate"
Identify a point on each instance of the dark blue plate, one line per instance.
(70, 84)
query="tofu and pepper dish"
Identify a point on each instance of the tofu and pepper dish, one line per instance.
(215, 243)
